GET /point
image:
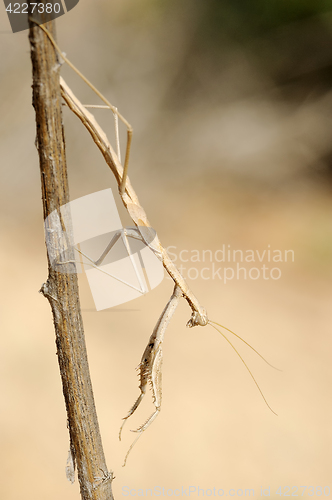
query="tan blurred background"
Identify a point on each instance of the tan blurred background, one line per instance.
(232, 114)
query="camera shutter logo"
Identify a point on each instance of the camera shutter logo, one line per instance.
(83, 232)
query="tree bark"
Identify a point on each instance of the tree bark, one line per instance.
(61, 288)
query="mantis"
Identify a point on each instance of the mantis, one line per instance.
(150, 367)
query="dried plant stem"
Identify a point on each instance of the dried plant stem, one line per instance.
(61, 289)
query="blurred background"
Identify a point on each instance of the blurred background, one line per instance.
(231, 105)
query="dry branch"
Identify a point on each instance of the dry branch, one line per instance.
(61, 289)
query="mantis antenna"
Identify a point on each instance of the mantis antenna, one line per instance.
(150, 367)
(213, 323)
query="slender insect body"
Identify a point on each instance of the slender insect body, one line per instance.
(150, 367)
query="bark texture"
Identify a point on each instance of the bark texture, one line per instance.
(61, 288)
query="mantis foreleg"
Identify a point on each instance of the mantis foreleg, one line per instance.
(150, 367)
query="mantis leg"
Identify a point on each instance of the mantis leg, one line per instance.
(150, 367)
